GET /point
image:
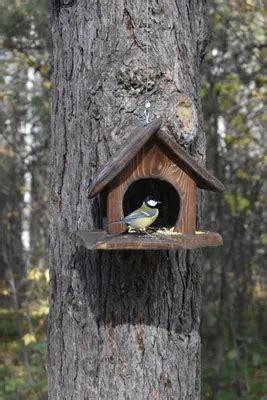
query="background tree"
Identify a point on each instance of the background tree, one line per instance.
(24, 138)
(122, 324)
(234, 96)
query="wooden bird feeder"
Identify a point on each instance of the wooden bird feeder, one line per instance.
(152, 163)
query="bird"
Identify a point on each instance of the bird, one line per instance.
(143, 217)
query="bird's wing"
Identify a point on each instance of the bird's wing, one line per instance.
(140, 214)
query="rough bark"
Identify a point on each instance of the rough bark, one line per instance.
(123, 324)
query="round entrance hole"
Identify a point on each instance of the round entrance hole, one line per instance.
(160, 190)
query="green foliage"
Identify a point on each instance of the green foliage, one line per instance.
(24, 116)
(263, 238)
(14, 376)
(232, 354)
(230, 85)
(253, 373)
(236, 203)
(263, 159)
(7, 323)
(242, 174)
(234, 99)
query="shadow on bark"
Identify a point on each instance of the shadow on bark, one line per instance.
(156, 288)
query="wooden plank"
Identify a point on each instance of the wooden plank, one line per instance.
(204, 179)
(122, 157)
(148, 242)
(152, 162)
(114, 207)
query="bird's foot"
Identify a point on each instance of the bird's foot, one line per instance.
(140, 231)
(145, 232)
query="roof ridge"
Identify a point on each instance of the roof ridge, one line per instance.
(138, 139)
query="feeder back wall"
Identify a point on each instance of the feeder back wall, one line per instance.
(160, 190)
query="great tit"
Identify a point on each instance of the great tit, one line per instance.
(144, 216)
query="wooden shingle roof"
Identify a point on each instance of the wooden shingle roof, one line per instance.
(203, 178)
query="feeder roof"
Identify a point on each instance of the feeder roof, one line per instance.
(204, 179)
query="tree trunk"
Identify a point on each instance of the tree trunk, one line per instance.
(123, 324)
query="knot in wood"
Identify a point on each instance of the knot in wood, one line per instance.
(186, 112)
(134, 79)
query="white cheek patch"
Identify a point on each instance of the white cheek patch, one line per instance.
(152, 203)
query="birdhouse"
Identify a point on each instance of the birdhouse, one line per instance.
(151, 163)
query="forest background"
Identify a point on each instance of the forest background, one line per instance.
(234, 96)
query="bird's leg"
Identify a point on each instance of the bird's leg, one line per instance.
(147, 233)
(143, 232)
(140, 231)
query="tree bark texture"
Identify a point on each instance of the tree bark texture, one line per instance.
(123, 324)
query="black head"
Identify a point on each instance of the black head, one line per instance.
(151, 202)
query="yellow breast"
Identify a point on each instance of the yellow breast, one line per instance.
(143, 223)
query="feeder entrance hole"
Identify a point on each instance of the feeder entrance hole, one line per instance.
(161, 190)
